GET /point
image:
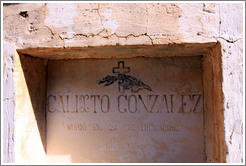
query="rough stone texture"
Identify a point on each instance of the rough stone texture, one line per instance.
(233, 98)
(8, 102)
(83, 25)
(231, 39)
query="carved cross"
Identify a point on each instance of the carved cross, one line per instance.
(121, 69)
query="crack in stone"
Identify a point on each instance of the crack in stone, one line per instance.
(98, 7)
(146, 5)
(219, 37)
(145, 34)
(53, 34)
(227, 40)
(108, 36)
(92, 35)
(51, 31)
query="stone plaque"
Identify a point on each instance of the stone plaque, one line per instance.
(125, 110)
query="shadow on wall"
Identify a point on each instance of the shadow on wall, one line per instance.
(34, 70)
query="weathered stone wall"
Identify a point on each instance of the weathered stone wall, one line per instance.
(63, 25)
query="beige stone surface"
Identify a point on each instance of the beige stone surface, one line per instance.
(92, 123)
(52, 25)
(30, 127)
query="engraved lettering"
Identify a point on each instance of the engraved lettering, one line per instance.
(95, 105)
(148, 102)
(97, 127)
(153, 105)
(130, 103)
(190, 103)
(83, 109)
(129, 127)
(145, 127)
(77, 126)
(62, 104)
(198, 99)
(141, 99)
(52, 111)
(141, 110)
(119, 103)
(108, 103)
(113, 127)
(169, 109)
(76, 96)
(67, 102)
(181, 110)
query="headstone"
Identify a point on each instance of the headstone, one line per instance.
(125, 110)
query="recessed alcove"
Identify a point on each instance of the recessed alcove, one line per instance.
(36, 98)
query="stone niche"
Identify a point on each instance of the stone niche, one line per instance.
(132, 104)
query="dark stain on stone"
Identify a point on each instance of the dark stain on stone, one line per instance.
(23, 14)
(8, 4)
